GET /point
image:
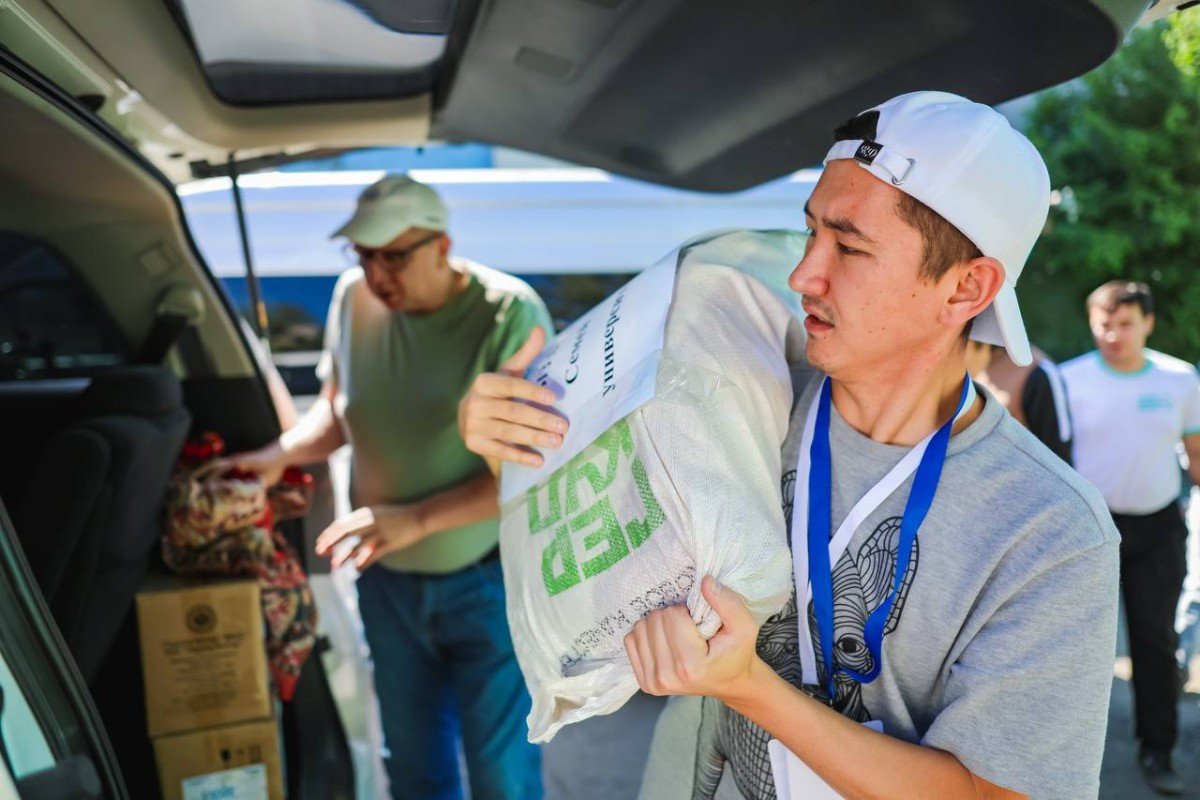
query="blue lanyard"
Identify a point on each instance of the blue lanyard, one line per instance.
(820, 490)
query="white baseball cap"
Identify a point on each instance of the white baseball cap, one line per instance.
(964, 161)
(389, 207)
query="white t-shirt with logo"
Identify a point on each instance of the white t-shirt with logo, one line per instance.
(1128, 426)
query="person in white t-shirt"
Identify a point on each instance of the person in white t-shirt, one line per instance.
(1132, 407)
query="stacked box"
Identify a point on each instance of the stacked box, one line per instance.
(208, 700)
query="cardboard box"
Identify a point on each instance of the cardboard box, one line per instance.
(232, 762)
(203, 656)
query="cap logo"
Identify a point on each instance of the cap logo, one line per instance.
(867, 151)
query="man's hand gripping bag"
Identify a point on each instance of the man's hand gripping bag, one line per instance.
(685, 486)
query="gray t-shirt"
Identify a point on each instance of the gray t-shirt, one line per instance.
(999, 648)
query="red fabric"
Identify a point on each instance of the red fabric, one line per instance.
(223, 524)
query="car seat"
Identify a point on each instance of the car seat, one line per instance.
(89, 519)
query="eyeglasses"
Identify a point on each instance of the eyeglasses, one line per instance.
(393, 261)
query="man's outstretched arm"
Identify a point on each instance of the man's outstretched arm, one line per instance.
(313, 438)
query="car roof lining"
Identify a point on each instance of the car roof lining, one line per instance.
(101, 208)
(697, 94)
(338, 51)
(167, 76)
(703, 95)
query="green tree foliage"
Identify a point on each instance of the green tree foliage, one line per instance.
(1125, 139)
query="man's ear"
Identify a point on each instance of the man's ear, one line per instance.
(1150, 323)
(444, 244)
(972, 286)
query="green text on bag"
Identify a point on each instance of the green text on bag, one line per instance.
(593, 531)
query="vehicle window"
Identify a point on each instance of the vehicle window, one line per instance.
(46, 718)
(569, 297)
(23, 746)
(319, 50)
(51, 325)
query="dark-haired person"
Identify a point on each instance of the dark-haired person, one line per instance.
(956, 580)
(1132, 407)
(1033, 393)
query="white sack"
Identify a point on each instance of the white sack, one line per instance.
(685, 486)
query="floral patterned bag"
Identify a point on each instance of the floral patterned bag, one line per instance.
(221, 522)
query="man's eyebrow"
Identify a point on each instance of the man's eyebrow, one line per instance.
(840, 224)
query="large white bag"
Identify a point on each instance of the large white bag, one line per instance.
(685, 486)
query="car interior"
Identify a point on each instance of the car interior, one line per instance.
(116, 344)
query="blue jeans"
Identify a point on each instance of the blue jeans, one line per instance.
(444, 668)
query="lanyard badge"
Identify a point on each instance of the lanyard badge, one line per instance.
(811, 514)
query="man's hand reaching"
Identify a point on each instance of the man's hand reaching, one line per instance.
(269, 462)
(375, 531)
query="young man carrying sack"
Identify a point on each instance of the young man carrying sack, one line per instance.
(956, 578)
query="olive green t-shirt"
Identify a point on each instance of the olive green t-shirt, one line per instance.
(399, 379)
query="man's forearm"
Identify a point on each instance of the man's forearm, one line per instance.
(1191, 445)
(315, 436)
(857, 762)
(473, 500)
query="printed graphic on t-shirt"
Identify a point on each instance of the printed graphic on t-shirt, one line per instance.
(862, 580)
(1155, 402)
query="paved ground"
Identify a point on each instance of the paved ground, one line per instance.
(603, 756)
(1119, 776)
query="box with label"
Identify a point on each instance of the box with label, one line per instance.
(202, 655)
(232, 762)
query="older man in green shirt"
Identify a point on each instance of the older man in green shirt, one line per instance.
(408, 332)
